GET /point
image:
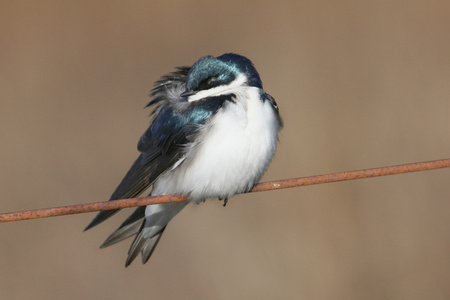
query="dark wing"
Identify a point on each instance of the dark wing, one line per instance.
(171, 148)
(159, 145)
(175, 124)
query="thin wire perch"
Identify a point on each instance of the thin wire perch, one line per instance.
(264, 186)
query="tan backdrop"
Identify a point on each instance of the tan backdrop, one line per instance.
(359, 85)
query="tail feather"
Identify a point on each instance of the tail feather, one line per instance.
(148, 248)
(148, 224)
(128, 228)
(123, 233)
(144, 245)
(156, 219)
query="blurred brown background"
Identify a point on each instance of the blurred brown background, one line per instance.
(359, 85)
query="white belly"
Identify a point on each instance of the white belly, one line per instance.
(233, 155)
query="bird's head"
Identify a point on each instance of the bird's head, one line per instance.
(212, 76)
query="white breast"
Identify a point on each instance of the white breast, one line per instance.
(234, 152)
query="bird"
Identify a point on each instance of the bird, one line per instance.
(212, 134)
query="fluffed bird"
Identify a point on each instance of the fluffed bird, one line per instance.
(213, 133)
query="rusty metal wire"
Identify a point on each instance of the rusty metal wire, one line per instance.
(265, 186)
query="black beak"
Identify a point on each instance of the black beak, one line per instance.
(187, 93)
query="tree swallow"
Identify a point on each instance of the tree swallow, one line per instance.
(213, 134)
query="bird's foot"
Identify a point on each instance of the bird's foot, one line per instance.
(225, 201)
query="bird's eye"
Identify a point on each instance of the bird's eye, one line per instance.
(207, 83)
